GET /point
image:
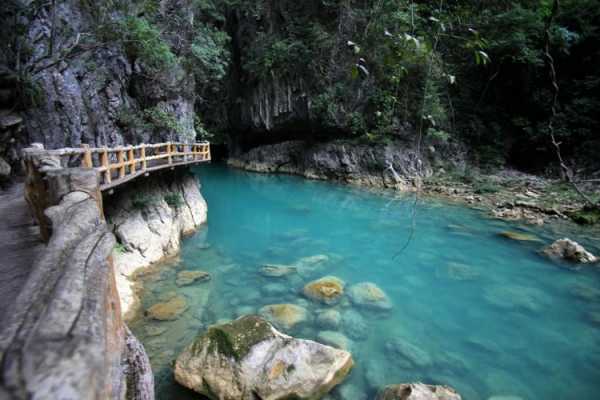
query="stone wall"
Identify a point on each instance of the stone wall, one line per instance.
(65, 337)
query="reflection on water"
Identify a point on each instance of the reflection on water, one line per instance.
(465, 306)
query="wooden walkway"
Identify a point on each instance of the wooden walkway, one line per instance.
(118, 165)
(20, 244)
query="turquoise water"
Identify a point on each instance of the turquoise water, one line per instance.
(471, 309)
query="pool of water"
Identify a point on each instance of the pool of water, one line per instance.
(471, 309)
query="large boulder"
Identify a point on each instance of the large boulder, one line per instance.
(570, 250)
(369, 295)
(185, 278)
(328, 289)
(417, 391)
(169, 310)
(248, 359)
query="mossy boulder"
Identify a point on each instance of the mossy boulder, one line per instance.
(248, 359)
(169, 310)
(327, 290)
(185, 278)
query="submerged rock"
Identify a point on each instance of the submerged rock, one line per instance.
(570, 250)
(406, 354)
(349, 391)
(185, 278)
(459, 272)
(248, 359)
(328, 289)
(418, 391)
(284, 316)
(277, 271)
(368, 294)
(515, 297)
(585, 292)
(169, 310)
(335, 339)
(354, 325)
(330, 319)
(275, 289)
(520, 236)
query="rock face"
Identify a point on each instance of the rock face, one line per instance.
(417, 391)
(569, 250)
(352, 163)
(328, 289)
(148, 224)
(88, 98)
(248, 359)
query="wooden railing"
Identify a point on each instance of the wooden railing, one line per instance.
(117, 165)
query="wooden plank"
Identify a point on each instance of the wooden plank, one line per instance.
(105, 165)
(143, 156)
(86, 160)
(131, 161)
(121, 162)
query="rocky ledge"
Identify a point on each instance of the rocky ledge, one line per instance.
(439, 171)
(148, 218)
(249, 359)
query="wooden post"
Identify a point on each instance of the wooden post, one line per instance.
(169, 154)
(143, 156)
(86, 161)
(121, 161)
(131, 160)
(106, 164)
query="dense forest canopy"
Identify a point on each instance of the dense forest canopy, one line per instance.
(471, 72)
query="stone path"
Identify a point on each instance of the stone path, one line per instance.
(20, 243)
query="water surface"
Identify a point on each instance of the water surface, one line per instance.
(484, 314)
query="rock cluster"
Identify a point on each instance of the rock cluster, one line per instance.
(417, 391)
(570, 250)
(248, 359)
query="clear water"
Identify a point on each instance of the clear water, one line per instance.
(506, 321)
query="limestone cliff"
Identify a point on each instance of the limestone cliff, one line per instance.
(148, 218)
(392, 164)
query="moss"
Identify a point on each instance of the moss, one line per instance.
(586, 216)
(236, 338)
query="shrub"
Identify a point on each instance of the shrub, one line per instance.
(141, 201)
(174, 200)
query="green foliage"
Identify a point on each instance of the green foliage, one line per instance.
(483, 187)
(142, 201)
(586, 216)
(174, 200)
(143, 40)
(120, 248)
(162, 120)
(210, 55)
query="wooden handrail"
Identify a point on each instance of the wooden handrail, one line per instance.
(117, 165)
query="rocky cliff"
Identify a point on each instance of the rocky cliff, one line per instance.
(148, 217)
(393, 164)
(74, 77)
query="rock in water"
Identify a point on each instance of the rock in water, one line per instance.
(185, 278)
(418, 391)
(328, 289)
(248, 359)
(368, 294)
(329, 319)
(335, 339)
(277, 271)
(520, 236)
(169, 310)
(569, 250)
(284, 316)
